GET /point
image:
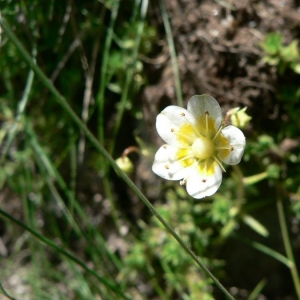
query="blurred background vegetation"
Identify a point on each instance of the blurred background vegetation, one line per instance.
(70, 227)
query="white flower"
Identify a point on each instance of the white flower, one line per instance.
(197, 143)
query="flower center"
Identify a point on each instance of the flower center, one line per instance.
(203, 148)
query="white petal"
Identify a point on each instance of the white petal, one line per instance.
(237, 140)
(170, 121)
(167, 166)
(198, 105)
(200, 185)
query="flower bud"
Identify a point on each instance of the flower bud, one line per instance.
(239, 117)
(125, 164)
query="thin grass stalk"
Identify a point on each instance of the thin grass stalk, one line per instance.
(79, 276)
(100, 99)
(122, 106)
(23, 102)
(259, 287)
(59, 200)
(266, 250)
(62, 101)
(26, 184)
(172, 50)
(45, 163)
(5, 293)
(286, 241)
(110, 195)
(85, 285)
(73, 175)
(129, 75)
(88, 96)
(20, 110)
(58, 277)
(67, 254)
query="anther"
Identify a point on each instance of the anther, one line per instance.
(165, 146)
(167, 167)
(224, 123)
(182, 182)
(207, 113)
(219, 163)
(204, 180)
(182, 114)
(231, 149)
(172, 129)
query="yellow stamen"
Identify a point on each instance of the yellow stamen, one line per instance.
(218, 132)
(185, 157)
(219, 163)
(206, 123)
(225, 148)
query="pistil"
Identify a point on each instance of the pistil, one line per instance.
(203, 148)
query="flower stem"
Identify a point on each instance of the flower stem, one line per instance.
(5, 293)
(287, 243)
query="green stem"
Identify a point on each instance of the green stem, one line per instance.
(46, 165)
(108, 284)
(62, 101)
(266, 250)
(286, 242)
(172, 52)
(129, 76)
(100, 97)
(100, 100)
(5, 293)
(20, 110)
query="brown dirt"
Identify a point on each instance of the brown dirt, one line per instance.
(218, 47)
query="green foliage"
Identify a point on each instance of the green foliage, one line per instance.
(39, 163)
(281, 56)
(78, 237)
(158, 251)
(220, 210)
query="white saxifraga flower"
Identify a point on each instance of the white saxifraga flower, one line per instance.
(197, 143)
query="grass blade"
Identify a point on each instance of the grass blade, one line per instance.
(65, 253)
(172, 50)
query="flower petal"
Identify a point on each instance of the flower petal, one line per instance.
(198, 105)
(237, 141)
(200, 185)
(167, 165)
(175, 125)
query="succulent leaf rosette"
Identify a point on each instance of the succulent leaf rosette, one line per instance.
(198, 142)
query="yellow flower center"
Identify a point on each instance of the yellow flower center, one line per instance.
(203, 148)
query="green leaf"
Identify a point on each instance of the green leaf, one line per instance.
(259, 287)
(273, 61)
(272, 43)
(255, 225)
(290, 53)
(228, 229)
(296, 68)
(255, 178)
